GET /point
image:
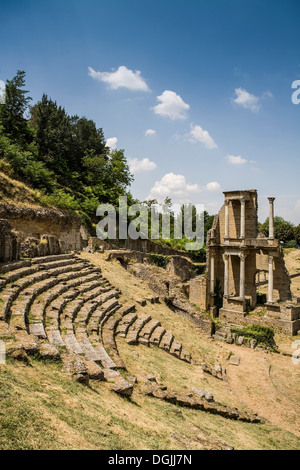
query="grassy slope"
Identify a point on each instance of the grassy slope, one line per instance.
(16, 193)
(41, 408)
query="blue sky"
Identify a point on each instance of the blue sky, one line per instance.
(211, 78)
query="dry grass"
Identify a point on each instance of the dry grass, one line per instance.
(43, 409)
(17, 193)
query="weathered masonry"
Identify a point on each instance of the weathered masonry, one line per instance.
(239, 259)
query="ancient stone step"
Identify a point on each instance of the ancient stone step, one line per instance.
(126, 309)
(94, 371)
(167, 340)
(122, 387)
(49, 258)
(89, 351)
(55, 308)
(11, 291)
(37, 330)
(176, 348)
(157, 335)
(135, 329)
(21, 306)
(109, 310)
(109, 342)
(148, 329)
(6, 332)
(71, 343)
(73, 307)
(84, 316)
(185, 355)
(69, 281)
(105, 359)
(28, 342)
(125, 324)
(55, 338)
(76, 368)
(5, 268)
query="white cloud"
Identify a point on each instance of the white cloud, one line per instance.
(236, 159)
(171, 105)
(197, 134)
(123, 77)
(213, 186)
(150, 132)
(137, 166)
(175, 187)
(246, 99)
(112, 143)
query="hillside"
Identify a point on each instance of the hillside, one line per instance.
(42, 408)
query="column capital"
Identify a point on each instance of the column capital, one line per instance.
(271, 199)
(226, 256)
(226, 202)
(242, 255)
(270, 259)
(242, 200)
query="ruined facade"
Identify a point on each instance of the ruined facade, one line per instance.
(238, 259)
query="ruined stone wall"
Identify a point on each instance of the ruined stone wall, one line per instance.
(41, 223)
(234, 210)
(9, 243)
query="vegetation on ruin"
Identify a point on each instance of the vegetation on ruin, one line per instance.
(262, 334)
(160, 260)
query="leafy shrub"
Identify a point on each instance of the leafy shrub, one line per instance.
(291, 244)
(262, 334)
(160, 260)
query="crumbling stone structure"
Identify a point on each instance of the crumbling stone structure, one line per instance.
(9, 244)
(237, 256)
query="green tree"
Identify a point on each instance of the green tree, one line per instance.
(283, 230)
(297, 234)
(13, 112)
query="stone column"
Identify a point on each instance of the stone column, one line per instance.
(243, 218)
(226, 275)
(226, 219)
(242, 275)
(212, 274)
(270, 280)
(271, 217)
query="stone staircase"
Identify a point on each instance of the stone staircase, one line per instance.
(54, 307)
(138, 327)
(61, 307)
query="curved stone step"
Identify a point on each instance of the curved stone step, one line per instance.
(20, 309)
(109, 304)
(148, 329)
(157, 335)
(71, 343)
(55, 308)
(5, 268)
(109, 341)
(136, 327)
(176, 348)
(126, 322)
(37, 309)
(12, 291)
(105, 359)
(167, 340)
(49, 258)
(14, 275)
(85, 312)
